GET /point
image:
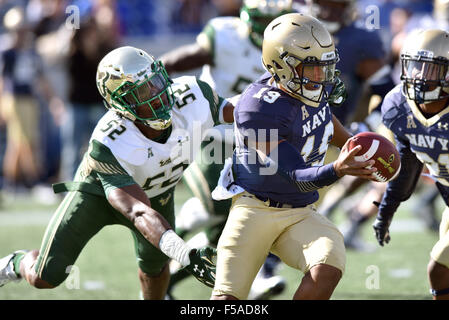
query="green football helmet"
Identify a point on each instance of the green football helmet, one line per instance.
(136, 86)
(259, 13)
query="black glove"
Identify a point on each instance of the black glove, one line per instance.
(338, 95)
(201, 265)
(382, 233)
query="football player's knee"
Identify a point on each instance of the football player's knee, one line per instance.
(155, 268)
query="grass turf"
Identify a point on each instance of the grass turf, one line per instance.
(107, 268)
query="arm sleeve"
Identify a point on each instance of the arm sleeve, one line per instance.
(401, 188)
(291, 165)
(109, 171)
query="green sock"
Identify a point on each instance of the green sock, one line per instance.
(16, 261)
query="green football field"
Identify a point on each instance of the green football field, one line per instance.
(107, 267)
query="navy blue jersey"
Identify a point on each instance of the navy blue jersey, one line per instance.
(419, 141)
(264, 107)
(354, 44)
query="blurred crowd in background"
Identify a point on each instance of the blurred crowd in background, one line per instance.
(49, 102)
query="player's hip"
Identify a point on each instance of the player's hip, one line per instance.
(251, 218)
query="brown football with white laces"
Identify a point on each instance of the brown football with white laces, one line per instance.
(380, 149)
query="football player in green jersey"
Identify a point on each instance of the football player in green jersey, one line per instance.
(128, 175)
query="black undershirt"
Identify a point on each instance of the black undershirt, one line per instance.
(164, 136)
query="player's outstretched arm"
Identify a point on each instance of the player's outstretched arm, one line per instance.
(186, 58)
(312, 178)
(398, 190)
(134, 204)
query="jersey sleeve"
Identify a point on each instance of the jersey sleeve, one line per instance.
(216, 103)
(261, 118)
(111, 174)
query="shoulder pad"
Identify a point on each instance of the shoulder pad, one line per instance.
(259, 113)
(123, 140)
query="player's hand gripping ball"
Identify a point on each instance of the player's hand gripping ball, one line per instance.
(380, 149)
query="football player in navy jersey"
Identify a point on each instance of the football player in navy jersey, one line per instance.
(229, 52)
(283, 126)
(366, 74)
(417, 111)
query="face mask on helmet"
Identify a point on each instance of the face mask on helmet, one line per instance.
(424, 78)
(258, 14)
(149, 100)
(313, 79)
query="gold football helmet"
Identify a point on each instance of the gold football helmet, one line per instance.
(424, 61)
(300, 54)
(136, 86)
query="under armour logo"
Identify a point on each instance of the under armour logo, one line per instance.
(196, 269)
(442, 126)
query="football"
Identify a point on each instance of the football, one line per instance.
(380, 149)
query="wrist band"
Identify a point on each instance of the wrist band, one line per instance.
(174, 247)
